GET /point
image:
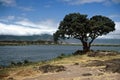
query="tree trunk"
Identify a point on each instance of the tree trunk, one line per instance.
(86, 46)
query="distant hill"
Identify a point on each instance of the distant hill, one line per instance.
(26, 38)
(48, 37)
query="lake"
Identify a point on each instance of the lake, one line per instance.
(40, 52)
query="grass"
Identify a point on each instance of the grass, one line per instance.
(79, 59)
(4, 73)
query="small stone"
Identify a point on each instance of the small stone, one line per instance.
(87, 74)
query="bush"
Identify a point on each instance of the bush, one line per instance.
(78, 52)
(19, 63)
(13, 63)
(61, 56)
(26, 62)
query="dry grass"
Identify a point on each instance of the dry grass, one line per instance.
(81, 59)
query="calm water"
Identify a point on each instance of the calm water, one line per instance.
(39, 52)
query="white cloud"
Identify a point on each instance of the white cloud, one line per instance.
(115, 16)
(26, 8)
(13, 3)
(79, 2)
(7, 18)
(25, 22)
(8, 2)
(11, 17)
(114, 34)
(27, 27)
(116, 1)
(46, 24)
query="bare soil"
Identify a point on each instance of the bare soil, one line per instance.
(78, 72)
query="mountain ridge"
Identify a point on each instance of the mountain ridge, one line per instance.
(26, 38)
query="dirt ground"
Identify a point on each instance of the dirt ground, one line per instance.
(78, 72)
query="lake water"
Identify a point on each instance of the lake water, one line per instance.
(40, 52)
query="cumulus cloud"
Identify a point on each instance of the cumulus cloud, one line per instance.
(27, 27)
(23, 26)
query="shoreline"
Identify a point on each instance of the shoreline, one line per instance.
(30, 61)
(16, 44)
(74, 62)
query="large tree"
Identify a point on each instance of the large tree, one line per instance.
(76, 25)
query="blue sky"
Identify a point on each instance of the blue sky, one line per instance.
(34, 17)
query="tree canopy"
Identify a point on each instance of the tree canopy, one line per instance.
(78, 26)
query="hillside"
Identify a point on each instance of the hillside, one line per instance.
(26, 38)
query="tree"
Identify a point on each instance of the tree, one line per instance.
(76, 25)
(55, 37)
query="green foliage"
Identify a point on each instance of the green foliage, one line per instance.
(101, 25)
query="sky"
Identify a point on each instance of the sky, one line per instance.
(35, 17)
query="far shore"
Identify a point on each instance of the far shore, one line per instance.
(24, 43)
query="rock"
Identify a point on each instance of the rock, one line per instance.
(110, 65)
(10, 78)
(87, 74)
(76, 63)
(103, 53)
(96, 63)
(113, 66)
(51, 68)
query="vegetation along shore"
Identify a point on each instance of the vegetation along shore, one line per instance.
(43, 42)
